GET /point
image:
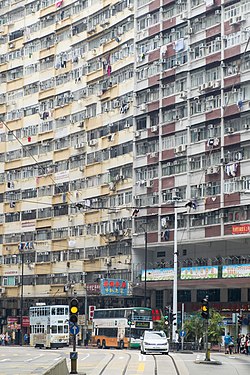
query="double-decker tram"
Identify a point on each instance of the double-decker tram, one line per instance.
(120, 327)
(49, 326)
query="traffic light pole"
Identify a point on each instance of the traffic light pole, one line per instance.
(73, 357)
(74, 330)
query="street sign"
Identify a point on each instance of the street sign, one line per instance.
(183, 333)
(73, 355)
(74, 330)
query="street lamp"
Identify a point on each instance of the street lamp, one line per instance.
(21, 299)
(175, 287)
(146, 265)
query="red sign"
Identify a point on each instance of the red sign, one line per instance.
(91, 312)
(241, 229)
(12, 319)
(26, 321)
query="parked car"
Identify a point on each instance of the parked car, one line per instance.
(154, 341)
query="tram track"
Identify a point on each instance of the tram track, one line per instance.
(124, 371)
(172, 360)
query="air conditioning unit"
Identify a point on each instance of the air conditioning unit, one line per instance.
(79, 145)
(148, 184)
(137, 134)
(183, 95)
(91, 29)
(246, 126)
(152, 155)
(108, 261)
(154, 129)
(180, 148)
(2, 290)
(92, 142)
(210, 170)
(143, 107)
(217, 12)
(230, 130)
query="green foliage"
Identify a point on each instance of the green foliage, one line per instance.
(195, 327)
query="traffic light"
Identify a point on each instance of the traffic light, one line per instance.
(174, 319)
(73, 311)
(205, 309)
(240, 318)
(130, 319)
(166, 314)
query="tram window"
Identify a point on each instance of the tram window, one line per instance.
(54, 329)
(53, 311)
(60, 329)
(66, 329)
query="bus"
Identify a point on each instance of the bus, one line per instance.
(120, 327)
(49, 326)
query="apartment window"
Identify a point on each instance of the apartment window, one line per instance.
(43, 234)
(161, 254)
(30, 193)
(44, 213)
(234, 295)
(11, 217)
(213, 295)
(184, 296)
(60, 210)
(159, 299)
(141, 123)
(213, 188)
(28, 215)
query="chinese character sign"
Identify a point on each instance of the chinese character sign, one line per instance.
(114, 287)
(203, 272)
(236, 270)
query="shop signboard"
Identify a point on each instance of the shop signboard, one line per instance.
(158, 274)
(236, 270)
(114, 287)
(241, 229)
(201, 272)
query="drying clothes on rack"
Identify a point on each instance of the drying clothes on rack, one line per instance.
(231, 169)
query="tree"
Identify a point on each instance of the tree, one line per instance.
(195, 327)
(215, 328)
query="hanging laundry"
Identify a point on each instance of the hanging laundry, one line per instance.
(231, 169)
(166, 235)
(59, 3)
(29, 138)
(163, 50)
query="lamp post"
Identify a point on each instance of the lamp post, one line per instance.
(146, 265)
(174, 323)
(21, 300)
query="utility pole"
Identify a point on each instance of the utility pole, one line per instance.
(146, 265)
(21, 299)
(174, 310)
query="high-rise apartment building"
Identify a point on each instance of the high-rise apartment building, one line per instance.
(111, 106)
(66, 90)
(192, 142)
